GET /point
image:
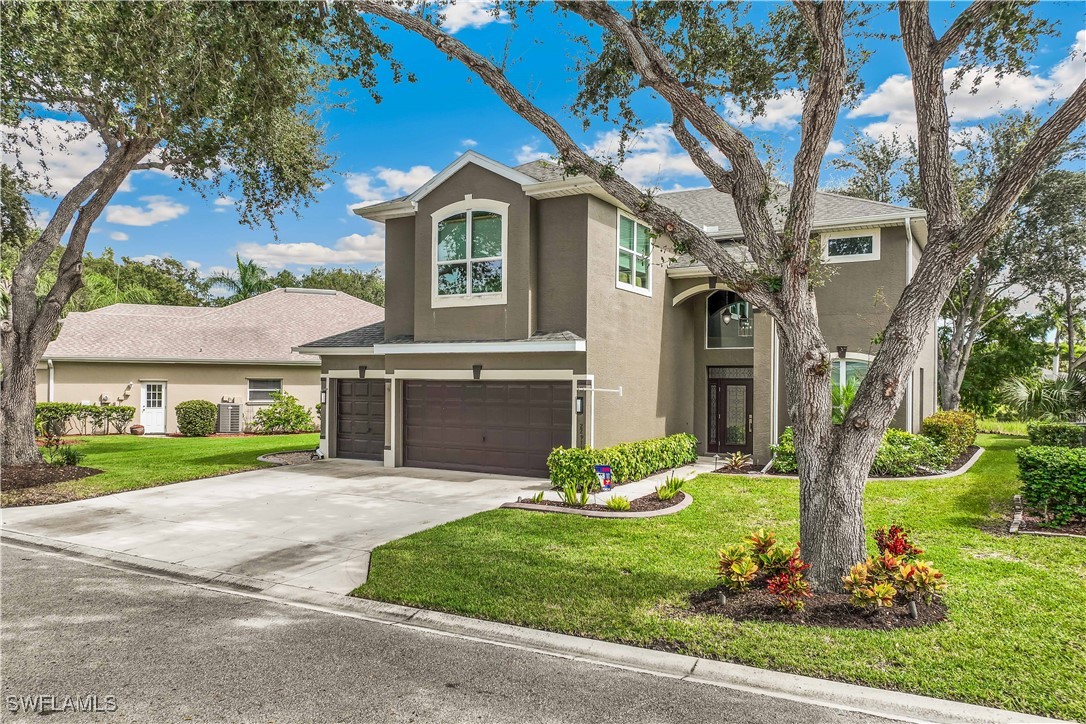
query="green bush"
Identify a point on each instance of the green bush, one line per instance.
(196, 418)
(903, 453)
(954, 430)
(1054, 481)
(67, 455)
(58, 417)
(900, 454)
(1055, 434)
(629, 460)
(284, 414)
(784, 453)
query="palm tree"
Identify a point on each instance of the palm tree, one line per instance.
(1044, 398)
(248, 280)
(101, 291)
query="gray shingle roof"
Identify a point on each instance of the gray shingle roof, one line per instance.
(261, 329)
(362, 337)
(541, 170)
(375, 334)
(709, 207)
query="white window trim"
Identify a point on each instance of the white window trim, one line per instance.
(469, 300)
(841, 369)
(705, 326)
(249, 390)
(876, 246)
(646, 292)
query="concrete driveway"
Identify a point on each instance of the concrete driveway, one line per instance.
(311, 526)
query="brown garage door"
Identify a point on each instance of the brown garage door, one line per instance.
(494, 427)
(360, 418)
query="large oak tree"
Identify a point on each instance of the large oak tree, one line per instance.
(220, 95)
(698, 56)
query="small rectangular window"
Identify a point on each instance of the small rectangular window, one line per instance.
(852, 246)
(260, 391)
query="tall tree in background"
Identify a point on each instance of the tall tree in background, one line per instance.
(247, 280)
(219, 94)
(365, 285)
(697, 58)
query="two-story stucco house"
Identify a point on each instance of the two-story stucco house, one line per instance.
(526, 310)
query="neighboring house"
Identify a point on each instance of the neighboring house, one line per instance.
(154, 356)
(526, 310)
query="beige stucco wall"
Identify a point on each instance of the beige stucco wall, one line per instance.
(85, 381)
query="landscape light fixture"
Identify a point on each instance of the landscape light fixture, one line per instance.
(842, 350)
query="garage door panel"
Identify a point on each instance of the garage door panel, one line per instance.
(360, 419)
(506, 427)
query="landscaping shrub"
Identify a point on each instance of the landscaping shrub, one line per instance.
(67, 455)
(628, 460)
(759, 557)
(284, 414)
(1054, 481)
(954, 430)
(57, 417)
(901, 453)
(196, 418)
(618, 503)
(878, 581)
(1055, 434)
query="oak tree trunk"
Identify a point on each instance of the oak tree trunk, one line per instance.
(17, 397)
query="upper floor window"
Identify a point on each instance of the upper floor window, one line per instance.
(634, 256)
(728, 321)
(470, 244)
(844, 246)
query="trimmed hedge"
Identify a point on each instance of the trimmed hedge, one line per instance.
(1055, 434)
(901, 454)
(58, 417)
(1054, 480)
(196, 418)
(629, 460)
(954, 430)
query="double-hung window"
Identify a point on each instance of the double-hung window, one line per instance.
(260, 391)
(634, 256)
(469, 253)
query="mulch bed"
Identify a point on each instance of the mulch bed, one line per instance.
(1037, 524)
(954, 465)
(823, 609)
(291, 458)
(17, 477)
(637, 505)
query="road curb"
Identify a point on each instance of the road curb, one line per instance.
(819, 692)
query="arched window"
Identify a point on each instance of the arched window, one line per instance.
(728, 322)
(470, 243)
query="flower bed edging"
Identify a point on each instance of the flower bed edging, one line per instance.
(686, 501)
(950, 474)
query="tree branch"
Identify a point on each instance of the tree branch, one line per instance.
(970, 19)
(721, 179)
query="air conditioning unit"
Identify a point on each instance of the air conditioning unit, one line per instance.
(229, 418)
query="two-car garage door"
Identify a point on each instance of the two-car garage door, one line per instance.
(495, 427)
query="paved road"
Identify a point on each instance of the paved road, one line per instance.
(172, 652)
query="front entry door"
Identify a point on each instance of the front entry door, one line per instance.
(731, 416)
(153, 408)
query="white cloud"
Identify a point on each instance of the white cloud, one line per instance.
(981, 94)
(835, 147)
(223, 203)
(69, 151)
(530, 152)
(192, 264)
(146, 258)
(118, 236)
(470, 14)
(779, 114)
(387, 183)
(353, 249)
(216, 270)
(653, 157)
(156, 209)
(469, 143)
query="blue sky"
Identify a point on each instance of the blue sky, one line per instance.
(389, 149)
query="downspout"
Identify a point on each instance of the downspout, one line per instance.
(49, 387)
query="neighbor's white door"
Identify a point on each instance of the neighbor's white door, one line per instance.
(153, 408)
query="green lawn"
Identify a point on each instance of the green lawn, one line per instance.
(1002, 427)
(1016, 638)
(129, 463)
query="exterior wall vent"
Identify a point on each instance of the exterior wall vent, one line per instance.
(229, 418)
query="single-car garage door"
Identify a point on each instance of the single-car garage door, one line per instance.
(492, 427)
(360, 418)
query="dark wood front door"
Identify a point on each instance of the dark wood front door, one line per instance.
(490, 427)
(731, 416)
